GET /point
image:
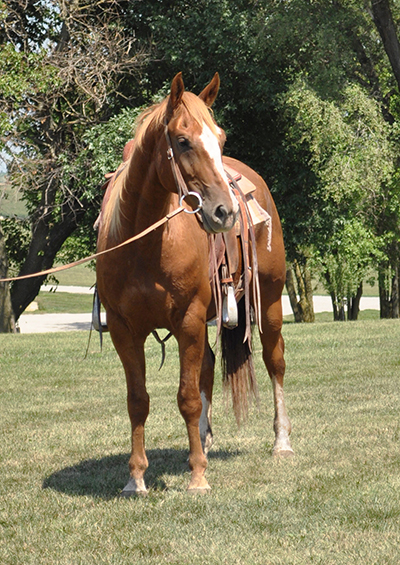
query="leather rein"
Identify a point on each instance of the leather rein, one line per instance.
(183, 194)
(99, 253)
(246, 228)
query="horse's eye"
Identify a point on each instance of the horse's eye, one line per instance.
(183, 142)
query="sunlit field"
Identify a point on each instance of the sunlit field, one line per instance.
(65, 448)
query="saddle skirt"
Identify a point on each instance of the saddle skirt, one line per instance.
(257, 214)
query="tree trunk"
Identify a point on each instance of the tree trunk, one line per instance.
(291, 289)
(384, 293)
(303, 307)
(395, 294)
(338, 308)
(383, 20)
(44, 246)
(7, 321)
(353, 304)
(334, 306)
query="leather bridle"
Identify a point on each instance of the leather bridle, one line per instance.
(181, 185)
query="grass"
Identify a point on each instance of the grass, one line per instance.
(53, 302)
(10, 200)
(363, 315)
(72, 303)
(82, 275)
(65, 444)
(370, 285)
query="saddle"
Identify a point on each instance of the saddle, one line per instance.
(233, 259)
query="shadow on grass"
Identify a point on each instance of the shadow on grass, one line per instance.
(105, 478)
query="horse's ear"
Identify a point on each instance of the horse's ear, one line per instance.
(209, 94)
(175, 97)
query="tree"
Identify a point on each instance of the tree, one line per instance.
(328, 54)
(7, 322)
(352, 160)
(63, 69)
(331, 48)
(300, 292)
(388, 270)
(383, 18)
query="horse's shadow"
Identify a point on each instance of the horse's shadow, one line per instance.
(105, 478)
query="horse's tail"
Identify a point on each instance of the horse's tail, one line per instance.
(238, 373)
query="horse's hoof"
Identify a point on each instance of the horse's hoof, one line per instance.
(198, 485)
(283, 453)
(202, 491)
(133, 493)
(134, 488)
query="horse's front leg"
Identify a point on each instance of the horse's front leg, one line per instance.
(131, 352)
(191, 341)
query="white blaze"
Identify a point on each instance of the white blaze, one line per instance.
(211, 145)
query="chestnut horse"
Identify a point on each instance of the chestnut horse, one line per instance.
(162, 280)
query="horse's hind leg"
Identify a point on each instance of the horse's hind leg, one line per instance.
(131, 353)
(206, 388)
(273, 350)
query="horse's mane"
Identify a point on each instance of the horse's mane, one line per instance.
(152, 119)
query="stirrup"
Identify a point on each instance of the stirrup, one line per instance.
(229, 309)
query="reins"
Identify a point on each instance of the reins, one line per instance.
(95, 255)
(180, 183)
(183, 193)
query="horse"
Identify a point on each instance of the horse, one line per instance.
(162, 280)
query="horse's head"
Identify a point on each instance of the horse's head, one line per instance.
(197, 143)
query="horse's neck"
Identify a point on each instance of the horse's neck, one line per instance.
(144, 200)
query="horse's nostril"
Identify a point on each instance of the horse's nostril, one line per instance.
(221, 213)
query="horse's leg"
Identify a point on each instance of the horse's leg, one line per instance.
(191, 341)
(273, 350)
(131, 353)
(206, 388)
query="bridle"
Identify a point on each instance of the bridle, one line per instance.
(183, 191)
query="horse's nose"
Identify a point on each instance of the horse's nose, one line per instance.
(224, 217)
(221, 214)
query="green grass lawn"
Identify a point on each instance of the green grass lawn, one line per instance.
(82, 275)
(363, 315)
(53, 302)
(10, 200)
(65, 449)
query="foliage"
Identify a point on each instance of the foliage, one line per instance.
(336, 160)
(349, 147)
(64, 67)
(17, 234)
(308, 99)
(52, 92)
(101, 153)
(352, 160)
(346, 259)
(104, 144)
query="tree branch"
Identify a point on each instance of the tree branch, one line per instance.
(383, 20)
